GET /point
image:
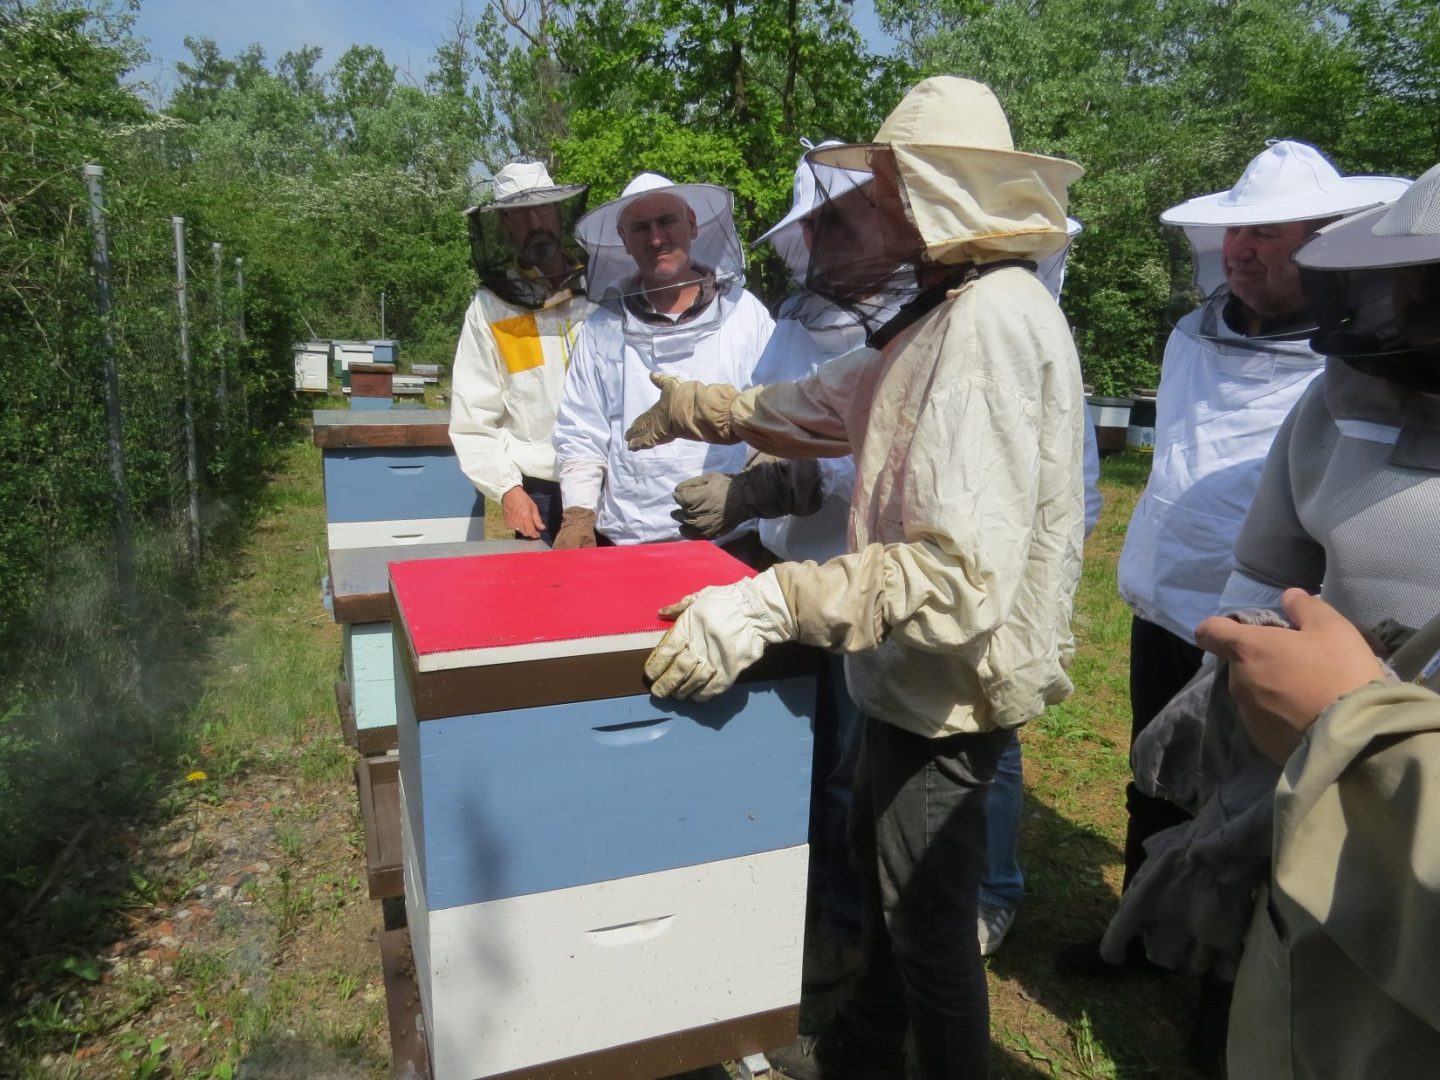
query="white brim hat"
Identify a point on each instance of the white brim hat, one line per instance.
(1287, 181)
(526, 183)
(803, 196)
(1405, 234)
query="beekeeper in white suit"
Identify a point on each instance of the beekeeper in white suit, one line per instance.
(515, 345)
(966, 525)
(667, 271)
(1232, 370)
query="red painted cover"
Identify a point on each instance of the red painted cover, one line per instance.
(486, 601)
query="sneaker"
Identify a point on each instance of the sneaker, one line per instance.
(833, 1055)
(827, 961)
(992, 924)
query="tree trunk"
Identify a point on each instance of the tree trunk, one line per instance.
(792, 63)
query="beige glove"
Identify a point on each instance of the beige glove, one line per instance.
(713, 504)
(577, 530)
(718, 633)
(686, 410)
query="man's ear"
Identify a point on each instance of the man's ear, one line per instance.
(694, 228)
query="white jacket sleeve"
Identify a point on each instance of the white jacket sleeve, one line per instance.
(582, 428)
(477, 409)
(969, 535)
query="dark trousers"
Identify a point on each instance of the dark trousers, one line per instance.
(1160, 665)
(917, 832)
(839, 727)
(546, 494)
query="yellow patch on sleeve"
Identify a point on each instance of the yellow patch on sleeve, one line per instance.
(519, 342)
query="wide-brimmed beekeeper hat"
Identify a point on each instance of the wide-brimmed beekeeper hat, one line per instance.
(526, 183)
(971, 195)
(1404, 234)
(500, 260)
(1287, 181)
(785, 236)
(716, 245)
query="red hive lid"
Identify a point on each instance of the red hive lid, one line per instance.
(487, 609)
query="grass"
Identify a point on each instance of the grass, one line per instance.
(284, 980)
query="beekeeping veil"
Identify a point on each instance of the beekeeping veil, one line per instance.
(529, 223)
(1372, 283)
(715, 250)
(1287, 181)
(949, 190)
(788, 237)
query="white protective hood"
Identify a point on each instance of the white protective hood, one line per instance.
(612, 272)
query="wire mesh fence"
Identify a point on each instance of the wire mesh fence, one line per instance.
(189, 433)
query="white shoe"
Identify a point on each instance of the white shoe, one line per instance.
(992, 924)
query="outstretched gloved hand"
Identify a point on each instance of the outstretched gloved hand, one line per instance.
(718, 633)
(686, 410)
(713, 504)
(577, 530)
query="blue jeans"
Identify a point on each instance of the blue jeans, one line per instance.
(546, 494)
(839, 725)
(917, 829)
(1003, 885)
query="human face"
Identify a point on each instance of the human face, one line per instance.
(657, 230)
(533, 230)
(847, 240)
(1258, 267)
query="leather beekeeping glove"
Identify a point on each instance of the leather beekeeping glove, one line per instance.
(686, 410)
(713, 504)
(577, 530)
(718, 633)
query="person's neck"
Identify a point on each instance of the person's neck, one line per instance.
(673, 299)
(1251, 323)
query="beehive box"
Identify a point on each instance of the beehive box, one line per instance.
(597, 882)
(392, 477)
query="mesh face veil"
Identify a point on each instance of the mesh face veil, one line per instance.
(1373, 283)
(1384, 320)
(527, 253)
(863, 249)
(656, 214)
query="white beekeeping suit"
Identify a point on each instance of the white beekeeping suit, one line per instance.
(1223, 394)
(810, 331)
(617, 351)
(517, 337)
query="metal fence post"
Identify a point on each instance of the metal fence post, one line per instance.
(240, 298)
(191, 481)
(382, 313)
(222, 391)
(100, 259)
